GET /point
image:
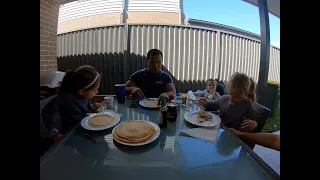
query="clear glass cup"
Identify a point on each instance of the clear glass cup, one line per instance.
(108, 102)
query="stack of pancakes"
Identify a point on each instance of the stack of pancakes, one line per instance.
(133, 131)
(101, 120)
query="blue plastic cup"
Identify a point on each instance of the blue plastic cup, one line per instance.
(121, 92)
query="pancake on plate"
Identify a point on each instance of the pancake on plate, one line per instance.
(101, 120)
(133, 131)
(151, 102)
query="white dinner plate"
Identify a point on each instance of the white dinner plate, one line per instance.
(191, 117)
(85, 125)
(153, 138)
(141, 103)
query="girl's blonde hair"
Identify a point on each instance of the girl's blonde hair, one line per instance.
(240, 81)
(252, 91)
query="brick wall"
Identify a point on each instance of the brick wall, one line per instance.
(49, 11)
(153, 17)
(89, 22)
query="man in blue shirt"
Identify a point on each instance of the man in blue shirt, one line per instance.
(151, 82)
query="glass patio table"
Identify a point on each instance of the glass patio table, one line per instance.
(173, 155)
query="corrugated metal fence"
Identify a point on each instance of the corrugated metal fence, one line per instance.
(191, 55)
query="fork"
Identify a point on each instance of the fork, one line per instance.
(88, 137)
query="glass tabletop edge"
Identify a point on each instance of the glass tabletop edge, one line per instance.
(259, 160)
(256, 157)
(53, 147)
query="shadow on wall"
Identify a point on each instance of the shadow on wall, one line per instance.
(116, 68)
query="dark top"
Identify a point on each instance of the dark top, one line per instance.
(72, 108)
(151, 84)
(231, 114)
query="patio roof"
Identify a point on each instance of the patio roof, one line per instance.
(61, 2)
(273, 6)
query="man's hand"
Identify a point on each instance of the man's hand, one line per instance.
(248, 125)
(163, 95)
(137, 91)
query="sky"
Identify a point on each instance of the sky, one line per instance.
(235, 13)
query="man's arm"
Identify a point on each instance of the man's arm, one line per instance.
(264, 139)
(170, 90)
(129, 84)
(131, 89)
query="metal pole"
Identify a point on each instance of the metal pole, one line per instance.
(264, 49)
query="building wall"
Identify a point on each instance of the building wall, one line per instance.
(80, 9)
(153, 5)
(90, 13)
(49, 10)
(153, 17)
(88, 22)
(94, 13)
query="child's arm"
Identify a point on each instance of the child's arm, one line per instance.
(207, 94)
(218, 95)
(72, 110)
(263, 139)
(249, 124)
(210, 96)
(212, 105)
(95, 106)
(199, 93)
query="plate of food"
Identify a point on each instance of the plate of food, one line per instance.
(149, 103)
(136, 132)
(202, 118)
(100, 121)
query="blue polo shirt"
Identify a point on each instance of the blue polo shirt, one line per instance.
(151, 84)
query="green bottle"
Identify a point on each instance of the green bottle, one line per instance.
(163, 113)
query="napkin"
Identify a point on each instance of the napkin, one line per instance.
(204, 133)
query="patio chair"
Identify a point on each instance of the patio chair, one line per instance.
(221, 89)
(261, 115)
(45, 138)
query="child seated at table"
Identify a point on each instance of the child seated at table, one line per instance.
(73, 100)
(210, 91)
(236, 109)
